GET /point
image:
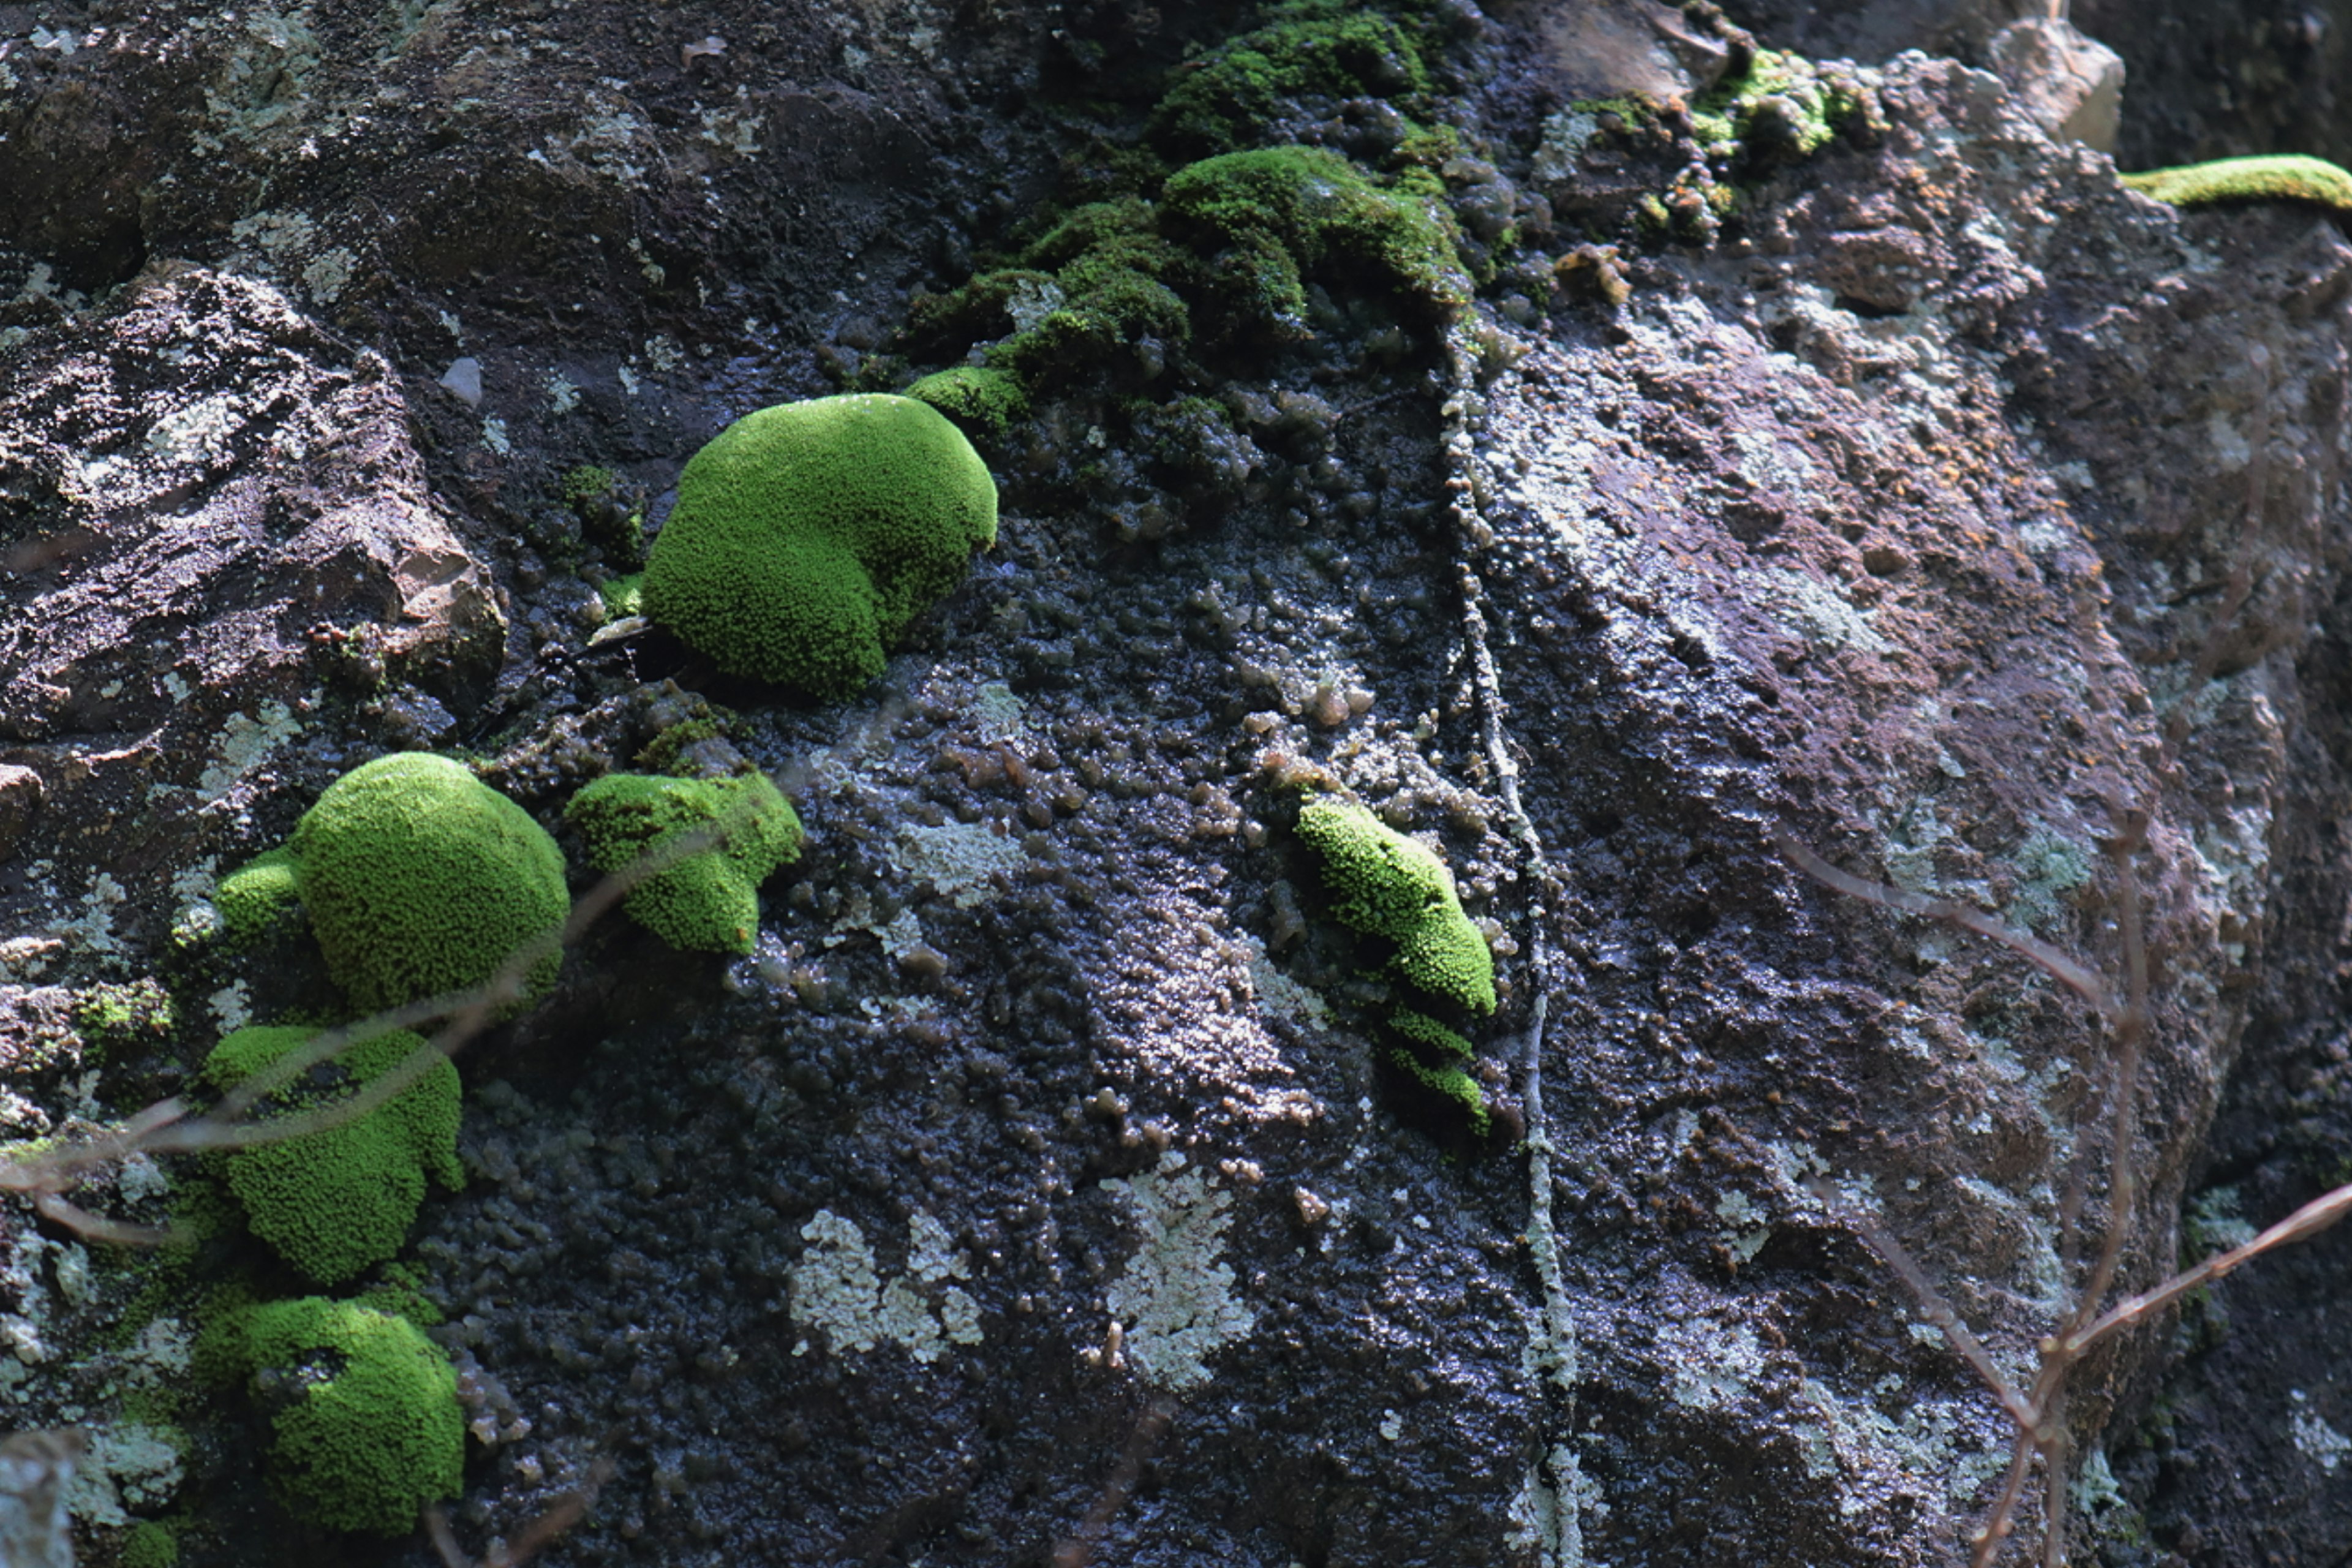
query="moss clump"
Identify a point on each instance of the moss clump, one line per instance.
(1434, 1055)
(1308, 49)
(148, 1545)
(257, 896)
(365, 1427)
(1283, 215)
(807, 537)
(708, 902)
(420, 880)
(1779, 110)
(982, 401)
(2280, 177)
(109, 1017)
(334, 1202)
(1386, 885)
(624, 596)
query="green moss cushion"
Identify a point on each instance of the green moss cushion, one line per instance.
(807, 536)
(365, 1427)
(1386, 885)
(421, 879)
(258, 895)
(1417, 1039)
(1285, 213)
(338, 1201)
(708, 901)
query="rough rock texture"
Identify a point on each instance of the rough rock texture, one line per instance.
(1034, 1190)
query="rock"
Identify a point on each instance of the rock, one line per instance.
(20, 795)
(2070, 86)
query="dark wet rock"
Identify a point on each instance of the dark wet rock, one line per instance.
(1037, 1174)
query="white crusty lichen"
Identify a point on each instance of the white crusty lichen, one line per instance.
(128, 1466)
(836, 1287)
(959, 860)
(1174, 1300)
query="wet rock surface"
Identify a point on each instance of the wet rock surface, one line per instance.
(1035, 1191)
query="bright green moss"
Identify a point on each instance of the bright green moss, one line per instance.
(365, 1427)
(1311, 48)
(148, 1545)
(421, 879)
(110, 1016)
(253, 899)
(1386, 885)
(1780, 108)
(1283, 215)
(1419, 1039)
(983, 402)
(807, 537)
(709, 901)
(335, 1202)
(624, 596)
(2281, 177)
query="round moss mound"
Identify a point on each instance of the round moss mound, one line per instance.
(709, 901)
(335, 1202)
(421, 879)
(807, 536)
(1386, 885)
(258, 895)
(365, 1427)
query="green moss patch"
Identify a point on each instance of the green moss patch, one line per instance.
(420, 880)
(1393, 887)
(708, 901)
(982, 401)
(1434, 1056)
(365, 1427)
(258, 896)
(807, 537)
(2280, 177)
(335, 1202)
(1279, 215)
(1306, 49)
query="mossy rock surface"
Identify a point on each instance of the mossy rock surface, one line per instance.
(421, 879)
(807, 537)
(365, 1427)
(336, 1202)
(708, 901)
(1285, 214)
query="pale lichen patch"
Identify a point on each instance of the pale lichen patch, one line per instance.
(1175, 1297)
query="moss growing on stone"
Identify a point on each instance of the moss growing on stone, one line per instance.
(807, 537)
(1433, 1055)
(109, 1017)
(258, 896)
(1280, 215)
(421, 879)
(148, 1545)
(1780, 109)
(2280, 177)
(981, 401)
(1388, 886)
(624, 596)
(708, 902)
(1308, 49)
(335, 1202)
(365, 1427)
